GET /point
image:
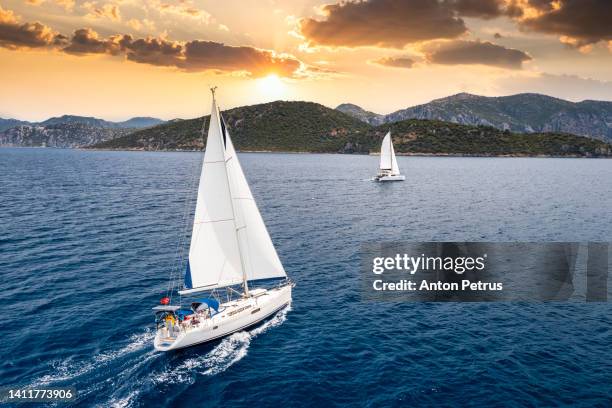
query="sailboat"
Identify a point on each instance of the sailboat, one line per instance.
(230, 250)
(389, 170)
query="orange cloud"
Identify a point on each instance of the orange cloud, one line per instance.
(108, 10)
(578, 22)
(384, 23)
(395, 62)
(459, 52)
(15, 35)
(184, 10)
(194, 55)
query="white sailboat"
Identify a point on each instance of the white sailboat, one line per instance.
(230, 248)
(388, 169)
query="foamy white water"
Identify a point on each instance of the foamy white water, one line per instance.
(228, 352)
(66, 370)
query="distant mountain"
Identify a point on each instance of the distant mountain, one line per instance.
(83, 120)
(9, 123)
(68, 131)
(523, 113)
(310, 127)
(135, 123)
(139, 122)
(361, 114)
(64, 135)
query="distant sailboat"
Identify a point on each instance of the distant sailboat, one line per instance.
(230, 247)
(389, 170)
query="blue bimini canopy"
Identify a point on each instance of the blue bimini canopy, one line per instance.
(210, 303)
(181, 313)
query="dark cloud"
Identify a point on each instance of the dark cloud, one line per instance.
(203, 55)
(395, 62)
(15, 35)
(87, 41)
(478, 8)
(584, 21)
(475, 52)
(386, 23)
(151, 50)
(193, 55)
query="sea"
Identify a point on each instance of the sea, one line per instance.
(89, 240)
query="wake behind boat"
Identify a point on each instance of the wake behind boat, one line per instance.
(230, 247)
(388, 169)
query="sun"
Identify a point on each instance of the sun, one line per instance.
(271, 86)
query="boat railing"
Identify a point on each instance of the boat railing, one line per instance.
(284, 282)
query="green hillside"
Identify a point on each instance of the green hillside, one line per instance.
(310, 127)
(436, 137)
(275, 126)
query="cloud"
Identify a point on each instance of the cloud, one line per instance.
(108, 10)
(384, 23)
(579, 22)
(144, 24)
(394, 62)
(154, 51)
(204, 55)
(474, 52)
(14, 34)
(66, 4)
(87, 41)
(184, 10)
(194, 55)
(485, 9)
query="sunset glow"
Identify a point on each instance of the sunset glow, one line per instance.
(116, 59)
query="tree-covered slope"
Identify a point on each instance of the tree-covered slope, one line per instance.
(436, 137)
(310, 127)
(275, 126)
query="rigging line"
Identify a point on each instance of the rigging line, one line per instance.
(180, 239)
(180, 249)
(181, 257)
(176, 272)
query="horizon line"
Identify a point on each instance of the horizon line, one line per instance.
(9, 117)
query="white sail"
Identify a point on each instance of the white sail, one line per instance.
(214, 254)
(394, 167)
(385, 153)
(388, 161)
(229, 243)
(260, 258)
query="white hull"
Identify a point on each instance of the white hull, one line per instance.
(233, 316)
(390, 177)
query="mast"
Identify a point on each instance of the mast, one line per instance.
(230, 244)
(245, 284)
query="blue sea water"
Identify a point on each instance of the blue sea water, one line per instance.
(88, 240)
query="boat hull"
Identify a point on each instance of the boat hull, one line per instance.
(395, 177)
(234, 316)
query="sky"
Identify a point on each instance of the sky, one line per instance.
(116, 59)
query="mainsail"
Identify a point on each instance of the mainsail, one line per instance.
(387, 155)
(229, 243)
